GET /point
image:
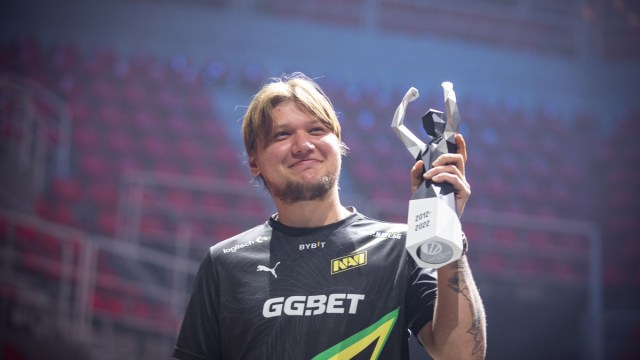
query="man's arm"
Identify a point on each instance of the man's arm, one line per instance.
(458, 329)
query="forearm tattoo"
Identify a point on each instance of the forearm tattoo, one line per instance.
(458, 283)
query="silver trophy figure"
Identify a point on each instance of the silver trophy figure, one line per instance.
(434, 234)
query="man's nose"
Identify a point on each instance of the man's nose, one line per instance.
(302, 144)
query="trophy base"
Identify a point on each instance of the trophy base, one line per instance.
(434, 236)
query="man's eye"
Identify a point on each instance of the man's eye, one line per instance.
(280, 135)
(317, 130)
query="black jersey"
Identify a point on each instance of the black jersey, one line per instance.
(347, 290)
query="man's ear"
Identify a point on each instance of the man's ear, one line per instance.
(253, 166)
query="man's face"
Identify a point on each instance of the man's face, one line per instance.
(301, 160)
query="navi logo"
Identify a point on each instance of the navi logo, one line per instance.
(377, 333)
(348, 262)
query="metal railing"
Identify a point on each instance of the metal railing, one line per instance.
(39, 122)
(75, 275)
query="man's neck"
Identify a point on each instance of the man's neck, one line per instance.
(314, 213)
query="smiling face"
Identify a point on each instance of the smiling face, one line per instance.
(300, 159)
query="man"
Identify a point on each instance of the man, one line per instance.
(319, 280)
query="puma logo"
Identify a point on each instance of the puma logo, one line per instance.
(272, 271)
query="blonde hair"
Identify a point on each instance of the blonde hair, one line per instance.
(257, 124)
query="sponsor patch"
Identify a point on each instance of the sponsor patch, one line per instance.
(348, 262)
(301, 305)
(381, 234)
(312, 246)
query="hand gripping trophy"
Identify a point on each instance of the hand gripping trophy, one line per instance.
(434, 236)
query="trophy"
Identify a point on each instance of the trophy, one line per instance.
(434, 235)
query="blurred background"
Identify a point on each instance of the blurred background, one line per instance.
(121, 159)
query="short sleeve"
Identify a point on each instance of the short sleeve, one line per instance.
(421, 296)
(199, 334)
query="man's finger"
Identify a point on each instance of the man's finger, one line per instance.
(416, 174)
(456, 160)
(462, 146)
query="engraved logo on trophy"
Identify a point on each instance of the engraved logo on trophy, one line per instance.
(435, 252)
(434, 234)
(432, 248)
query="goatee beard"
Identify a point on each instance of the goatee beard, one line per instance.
(295, 191)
